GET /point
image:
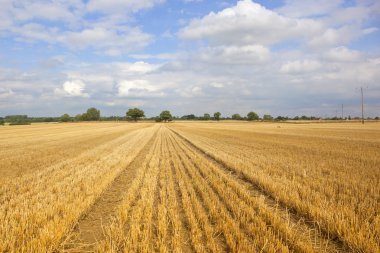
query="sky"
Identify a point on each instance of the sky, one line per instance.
(278, 57)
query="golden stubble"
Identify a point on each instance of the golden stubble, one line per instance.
(198, 187)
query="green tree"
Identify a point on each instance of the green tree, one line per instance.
(17, 119)
(217, 115)
(206, 116)
(252, 116)
(85, 117)
(92, 114)
(236, 116)
(2, 122)
(78, 117)
(157, 119)
(165, 116)
(267, 117)
(135, 114)
(65, 118)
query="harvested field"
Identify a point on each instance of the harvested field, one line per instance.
(190, 187)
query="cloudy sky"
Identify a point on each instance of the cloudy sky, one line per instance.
(284, 57)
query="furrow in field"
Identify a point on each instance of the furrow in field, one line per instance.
(203, 234)
(244, 213)
(41, 208)
(39, 150)
(132, 229)
(172, 232)
(330, 182)
(226, 224)
(180, 234)
(293, 228)
(89, 228)
(161, 225)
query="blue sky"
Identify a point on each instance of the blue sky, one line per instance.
(288, 57)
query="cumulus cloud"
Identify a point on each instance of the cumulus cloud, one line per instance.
(250, 54)
(342, 54)
(67, 24)
(248, 23)
(112, 6)
(74, 88)
(52, 62)
(138, 88)
(139, 67)
(300, 67)
(320, 25)
(191, 92)
(246, 57)
(5, 93)
(217, 85)
(22, 11)
(300, 8)
(333, 37)
(115, 42)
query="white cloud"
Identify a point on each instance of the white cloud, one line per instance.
(190, 92)
(22, 11)
(110, 42)
(370, 30)
(139, 67)
(245, 55)
(342, 54)
(114, 42)
(217, 85)
(5, 93)
(249, 23)
(318, 25)
(35, 32)
(349, 15)
(333, 37)
(242, 60)
(161, 56)
(52, 62)
(44, 10)
(67, 23)
(301, 8)
(112, 6)
(138, 88)
(300, 67)
(74, 88)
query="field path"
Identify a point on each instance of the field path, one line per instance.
(89, 228)
(306, 232)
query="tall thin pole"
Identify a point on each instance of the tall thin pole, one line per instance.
(342, 111)
(361, 89)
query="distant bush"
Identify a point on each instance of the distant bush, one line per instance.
(236, 116)
(16, 123)
(252, 116)
(65, 118)
(267, 117)
(17, 120)
(217, 115)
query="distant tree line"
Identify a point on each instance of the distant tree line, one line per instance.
(16, 120)
(135, 114)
